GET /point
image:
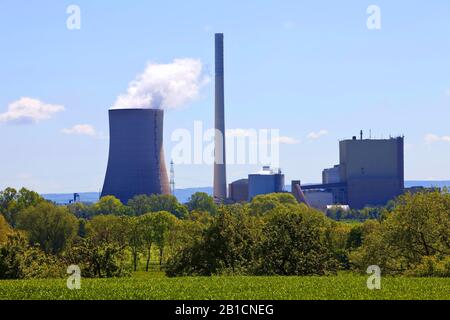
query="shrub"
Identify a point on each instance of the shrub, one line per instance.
(18, 260)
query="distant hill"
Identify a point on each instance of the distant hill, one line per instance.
(90, 197)
(184, 194)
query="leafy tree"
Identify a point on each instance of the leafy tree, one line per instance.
(228, 245)
(12, 202)
(98, 259)
(262, 204)
(52, 227)
(418, 228)
(147, 222)
(135, 238)
(201, 201)
(18, 260)
(80, 210)
(109, 205)
(294, 243)
(108, 229)
(163, 222)
(5, 229)
(140, 204)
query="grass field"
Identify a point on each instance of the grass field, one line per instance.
(157, 287)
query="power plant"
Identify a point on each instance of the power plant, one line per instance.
(136, 158)
(370, 171)
(220, 175)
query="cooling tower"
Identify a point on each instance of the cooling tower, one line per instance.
(220, 180)
(136, 158)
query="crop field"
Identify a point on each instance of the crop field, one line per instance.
(155, 286)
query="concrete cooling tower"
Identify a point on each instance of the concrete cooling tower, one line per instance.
(136, 158)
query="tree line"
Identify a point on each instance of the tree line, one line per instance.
(271, 235)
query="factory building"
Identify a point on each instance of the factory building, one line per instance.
(136, 159)
(238, 190)
(331, 175)
(264, 182)
(318, 199)
(371, 172)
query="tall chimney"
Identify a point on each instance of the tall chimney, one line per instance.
(220, 179)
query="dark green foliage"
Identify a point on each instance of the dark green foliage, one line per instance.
(144, 204)
(52, 228)
(228, 245)
(355, 238)
(294, 244)
(414, 236)
(109, 205)
(98, 259)
(263, 204)
(18, 260)
(12, 202)
(201, 201)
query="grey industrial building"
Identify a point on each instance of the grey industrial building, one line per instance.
(371, 172)
(136, 158)
(264, 182)
(238, 190)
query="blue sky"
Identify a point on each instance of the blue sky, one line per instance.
(300, 66)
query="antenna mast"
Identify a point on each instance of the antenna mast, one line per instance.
(172, 178)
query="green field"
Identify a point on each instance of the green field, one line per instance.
(156, 286)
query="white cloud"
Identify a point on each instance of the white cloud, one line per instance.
(164, 86)
(80, 129)
(316, 135)
(431, 138)
(28, 110)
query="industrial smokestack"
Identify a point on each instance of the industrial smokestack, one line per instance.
(136, 158)
(220, 180)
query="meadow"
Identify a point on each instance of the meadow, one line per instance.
(156, 286)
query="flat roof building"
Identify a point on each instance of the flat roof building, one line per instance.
(264, 182)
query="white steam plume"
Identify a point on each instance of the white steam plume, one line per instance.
(164, 86)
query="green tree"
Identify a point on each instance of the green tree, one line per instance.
(140, 204)
(228, 244)
(52, 227)
(19, 260)
(201, 201)
(108, 229)
(418, 227)
(163, 223)
(147, 222)
(109, 205)
(295, 244)
(5, 229)
(135, 236)
(12, 202)
(168, 203)
(80, 210)
(98, 259)
(262, 204)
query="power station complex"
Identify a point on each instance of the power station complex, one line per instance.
(370, 171)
